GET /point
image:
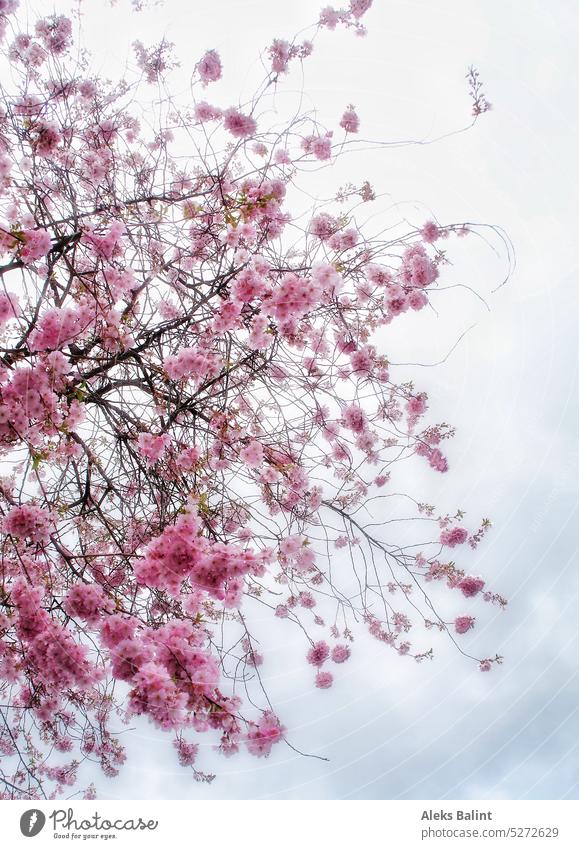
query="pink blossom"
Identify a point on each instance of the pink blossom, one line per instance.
(430, 232)
(282, 157)
(416, 299)
(329, 17)
(153, 447)
(248, 285)
(340, 653)
(194, 363)
(354, 417)
(306, 599)
(116, 628)
(323, 226)
(417, 268)
(186, 752)
(28, 521)
(205, 112)
(294, 297)
(319, 653)
(453, 537)
(324, 680)
(237, 124)
(9, 307)
(55, 33)
(180, 552)
(108, 244)
(437, 460)
(350, 121)
(37, 243)
(46, 138)
(359, 7)
(280, 54)
(462, 624)
(58, 327)
(86, 601)
(252, 454)
(319, 146)
(263, 734)
(396, 299)
(471, 585)
(209, 67)
(188, 458)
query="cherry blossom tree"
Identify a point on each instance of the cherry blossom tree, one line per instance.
(196, 417)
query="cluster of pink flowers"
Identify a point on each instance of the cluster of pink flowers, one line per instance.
(323, 226)
(107, 245)
(29, 522)
(330, 17)
(471, 585)
(60, 326)
(186, 752)
(416, 406)
(29, 397)
(5, 169)
(350, 121)
(55, 33)
(209, 67)
(153, 447)
(45, 139)
(324, 680)
(204, 111)
(259, 338)
(9, 307)
(462, 624)
(238, 124)
(294, 550)
(193, 363)
(318, 654)
(58, 659)
(188, 458)
(252, 454)
(435, 457)
(87, 602)
(354, 418)
(24, 49)
(328, 278)
(263, 734)
(36, 245)
(156, 694)
(344, 240)
(430, 232)
(168, 668)
(248, 285)
(453, 536)
(293, 297)
(417, 268)
(154, 61)
(362, 360)
(318, 146)
(340, 653)
(282, 52)
(181, 553)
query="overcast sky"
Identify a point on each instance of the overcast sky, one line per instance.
(390, 728)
